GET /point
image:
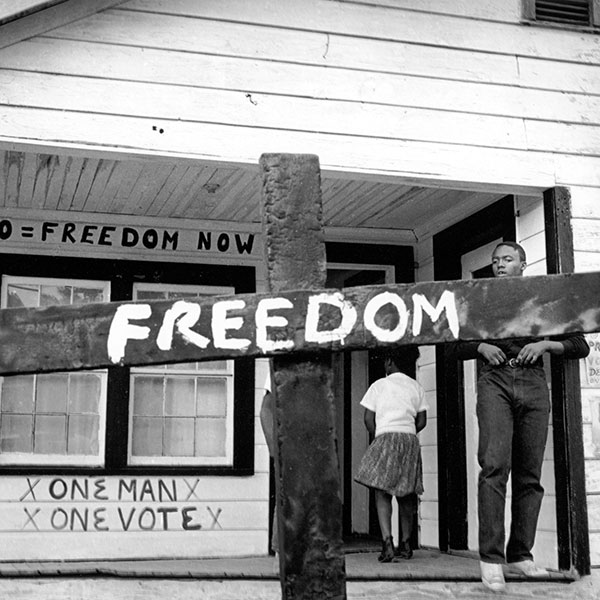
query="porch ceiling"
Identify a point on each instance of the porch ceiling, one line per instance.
(190, 190)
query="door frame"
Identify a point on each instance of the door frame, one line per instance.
(498, 220)
(493, 222)
(567, 423)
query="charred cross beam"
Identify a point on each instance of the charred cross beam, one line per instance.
(63, 338)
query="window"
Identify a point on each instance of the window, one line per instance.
(178, 419)
(581, 13)
(56, 418)
(181, 414)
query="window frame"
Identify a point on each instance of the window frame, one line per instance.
(122, 274)
(529, 17)
(31, 459)
(157, 370)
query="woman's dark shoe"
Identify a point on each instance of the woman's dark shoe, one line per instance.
(387, 551)
(404, 550)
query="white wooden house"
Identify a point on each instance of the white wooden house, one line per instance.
(130, 133)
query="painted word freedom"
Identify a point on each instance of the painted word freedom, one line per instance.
(274, 324)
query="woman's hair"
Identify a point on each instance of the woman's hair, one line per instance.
(404, 357)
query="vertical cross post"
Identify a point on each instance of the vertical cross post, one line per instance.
(307, 477)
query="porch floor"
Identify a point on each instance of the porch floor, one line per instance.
(361, 565)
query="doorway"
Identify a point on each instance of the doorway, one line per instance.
(353, 265)
(467, 241)
(475, 264)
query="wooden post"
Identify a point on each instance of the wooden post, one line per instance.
(307, 477)
(567, 427)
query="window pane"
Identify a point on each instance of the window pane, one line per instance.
(212, 397)
(52, 393)
(17, 394)
(147, 436)
(180, 398)
(150, 295)
(83, 435)
(84, 393)
(16, 433)
(87, 295)
(191, 366)
(50, 434)
(210, 437)
(52, 398)
(213, 365)
(55, 295)
(189, 391)
(148, 396)
(22, 295)
(179, 437)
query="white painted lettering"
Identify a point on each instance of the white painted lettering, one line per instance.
(264, 320)
(221, 323)
(182, 315)
(384, 334)
(348, 312)
(446, 303)
(121, 329)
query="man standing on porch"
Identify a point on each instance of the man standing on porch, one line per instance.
(513, 409)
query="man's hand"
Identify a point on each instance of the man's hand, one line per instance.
(531, 352)
(492, 354)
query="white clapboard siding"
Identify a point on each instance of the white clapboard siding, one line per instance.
(384, 157)
(509, 11)
(566, 76)
(206, 488)
(168, 60)
(359, 20)
(585, 202)
(79, 517)
(128, 517)
(576, 170)
(133, 545)
(260, 110)
(586, 234)
(594, 511)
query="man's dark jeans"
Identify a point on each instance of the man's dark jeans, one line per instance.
(512, 410)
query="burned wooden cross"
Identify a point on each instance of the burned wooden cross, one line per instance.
(299, 324)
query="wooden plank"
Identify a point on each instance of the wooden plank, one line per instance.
(101, 335)
(508, 11)
(249, 41)
(273, 111)
(442, 163)
(586, 234)
(309, 505)
(47, 167)
(55, 15)
(585, 203)
(379, 22)
(463, 80)
(540, 73)
(257, 72)
(563, 137)
(577, 170)
(86, 178)
(569, 460)
(73, 170)
(21, 8)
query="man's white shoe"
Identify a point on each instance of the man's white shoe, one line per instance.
(529, 568)
(492, 576)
